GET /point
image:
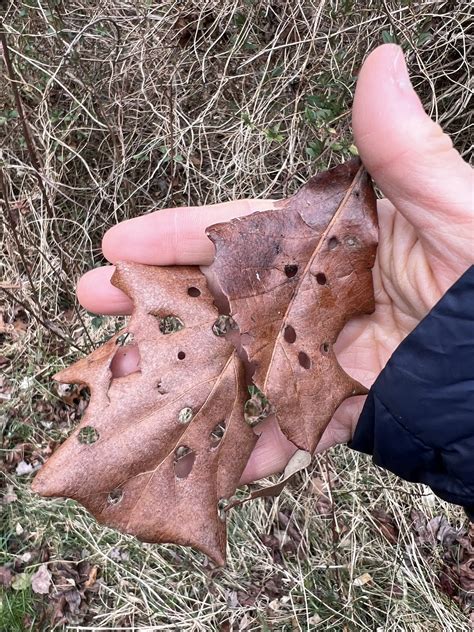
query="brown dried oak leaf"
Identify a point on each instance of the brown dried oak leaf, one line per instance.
(158, 448)
(293, 277)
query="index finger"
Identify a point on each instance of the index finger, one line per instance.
(174, 236)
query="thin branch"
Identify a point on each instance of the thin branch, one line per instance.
(44, 322)
(26, 129)
(36, 166)
(21, 252)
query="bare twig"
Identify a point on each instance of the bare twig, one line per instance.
(14, 232)
(45, 323)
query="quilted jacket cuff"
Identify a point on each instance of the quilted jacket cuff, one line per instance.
(418, 419)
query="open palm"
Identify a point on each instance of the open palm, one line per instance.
(426, 238)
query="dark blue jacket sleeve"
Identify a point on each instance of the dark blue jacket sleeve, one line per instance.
(418, 419)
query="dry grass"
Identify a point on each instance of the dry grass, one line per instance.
(136, 105)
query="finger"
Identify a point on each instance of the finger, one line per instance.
(410, 158)
(173, 236)
(96, 293)
(271, 453)
(125, 361)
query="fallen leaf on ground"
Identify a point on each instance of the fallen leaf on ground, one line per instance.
(23, 468)
(442, 530)
(22, 581)
(74, 589)
(386, 524)
(363, 579)
(10, 496)
(92, 577)
(6, 576)
(320, 490)
(41, 580)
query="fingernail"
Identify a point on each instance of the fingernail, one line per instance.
(401, 78)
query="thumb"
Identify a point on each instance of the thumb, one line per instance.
(410, 158)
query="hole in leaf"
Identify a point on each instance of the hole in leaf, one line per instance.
(183, 461)
(291, 270)
(304, 360)
(223, 325)
(115, 496)
(289, 334)
(76, 396)
(194, 292)
(185, 415)
(170, 324)
(333, 242)
(181, 355)
(126, 360)
(81, 402)
(87, 435)
(222, 504)
(352, 241)
(257, 408)
(124, 339)
(325, 348)
(217, 433)
(321, 278)
(161, 389)
(357, 193)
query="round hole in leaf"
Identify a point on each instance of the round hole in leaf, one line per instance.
(181, 355)
(321, 278)
(257, 408)
(289, 334)
(161, 389)
(124, 339)
(194, 292)
(126, 360)
(333, 242)
(325, 348)
(217, 433)
(170, 324)
(185, 415)
(87, 435)
(304, 360)
(223, 325)
(352, 241)
(183, 461)
(115, 496)
(291, 270)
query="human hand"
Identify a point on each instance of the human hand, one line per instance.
(426, 239)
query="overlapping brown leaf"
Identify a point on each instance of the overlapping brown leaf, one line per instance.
(293, 277)
(159, 449)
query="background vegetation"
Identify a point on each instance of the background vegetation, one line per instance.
(110, 109)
